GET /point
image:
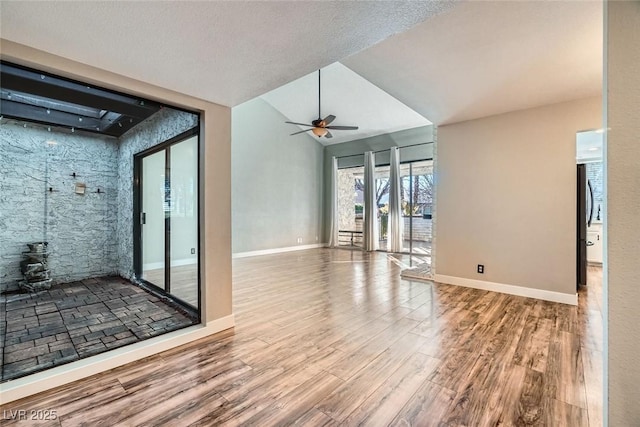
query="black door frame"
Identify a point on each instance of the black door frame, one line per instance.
(581, 229)
(137, 217)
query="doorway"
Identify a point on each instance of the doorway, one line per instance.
(166, 231)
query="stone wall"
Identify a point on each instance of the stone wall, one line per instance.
(89, 235)
(80, 229)
(160, 127)
(346, 198)
(595, 174)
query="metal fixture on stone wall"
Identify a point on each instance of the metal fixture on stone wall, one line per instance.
(35, 268)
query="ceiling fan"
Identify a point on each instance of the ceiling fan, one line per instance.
(320, 127)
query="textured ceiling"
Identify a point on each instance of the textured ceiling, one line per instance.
(454, 63)
(224, 52)
(484, 58)
(349, 97)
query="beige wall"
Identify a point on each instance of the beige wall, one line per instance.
(507, 196)
(622, 77)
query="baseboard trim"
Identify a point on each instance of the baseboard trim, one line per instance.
(278, 250)
(571, 299)
(174, 263)
(65, 374)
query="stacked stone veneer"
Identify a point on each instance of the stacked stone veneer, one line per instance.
(347, 199)
(595, 174)
(89, 235)
(80, 229)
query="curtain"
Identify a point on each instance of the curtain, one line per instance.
(396, 222)
(333, 205)
(370, 203)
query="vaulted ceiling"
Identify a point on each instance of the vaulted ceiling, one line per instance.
(226, 52)
(348, 96)
(483, 58)
(449, 61)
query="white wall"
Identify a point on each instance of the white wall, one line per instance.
(276, 181)
(622, 77)
(507, 197)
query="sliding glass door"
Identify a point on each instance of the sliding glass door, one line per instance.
(153, 218)
(350, 191)
(417, 202)
(183, 218)
(167, 232)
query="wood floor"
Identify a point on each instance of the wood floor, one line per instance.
(334, 337)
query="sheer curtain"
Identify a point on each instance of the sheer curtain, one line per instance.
(333, 205)
(396, 222)
(370, 208)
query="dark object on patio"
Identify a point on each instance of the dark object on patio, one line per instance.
(35, 268)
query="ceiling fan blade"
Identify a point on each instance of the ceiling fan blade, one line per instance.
(301, 124)
(327, 120)
(328, 135)
(342, 127)
(302, 131)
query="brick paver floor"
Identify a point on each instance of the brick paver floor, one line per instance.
(76, 320)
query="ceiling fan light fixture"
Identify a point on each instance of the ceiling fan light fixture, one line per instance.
(319, 132)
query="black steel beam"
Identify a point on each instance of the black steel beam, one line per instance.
(33, 113)
(27, 81)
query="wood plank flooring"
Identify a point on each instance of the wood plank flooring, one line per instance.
(332, 337)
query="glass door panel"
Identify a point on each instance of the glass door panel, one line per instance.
(167, 251)
(421, 204)
(405, 201)
(417, 200)
(153, 212)
(184, 220)
(382, 202)
(350, 206)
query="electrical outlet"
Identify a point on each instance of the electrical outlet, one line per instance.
(193, 251)
(299, 239)
(481, 268)
(316, 238)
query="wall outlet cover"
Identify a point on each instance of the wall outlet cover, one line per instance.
(481, 268)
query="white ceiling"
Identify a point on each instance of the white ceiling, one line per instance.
(463, 60)
(221, 51)
(352, 99)
(485, 58)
